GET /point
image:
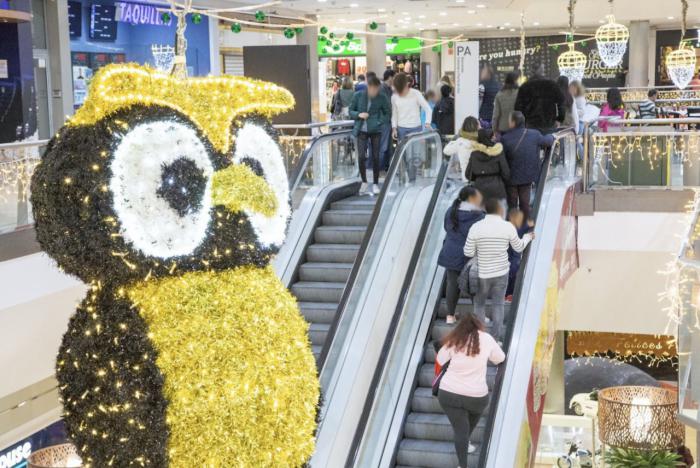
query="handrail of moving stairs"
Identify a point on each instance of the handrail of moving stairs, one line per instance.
(500, 373)
(403, 295)
(306, 156)
(390, 174)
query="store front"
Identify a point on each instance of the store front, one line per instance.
(348, 58)
(121, 32)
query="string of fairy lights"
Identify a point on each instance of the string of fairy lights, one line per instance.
(654, 149)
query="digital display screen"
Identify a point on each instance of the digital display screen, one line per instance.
(75, 19)
(103, 23)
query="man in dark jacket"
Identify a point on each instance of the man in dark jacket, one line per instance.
(522, 147)
(444, 112)
(488, 88)
(542, 103)
(488, 168)
(371, 112)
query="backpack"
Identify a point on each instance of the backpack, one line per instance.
(468, 280)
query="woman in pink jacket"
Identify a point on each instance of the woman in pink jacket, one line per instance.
(463, 393)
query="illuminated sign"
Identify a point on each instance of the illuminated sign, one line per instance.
(16, 457)
(138, 13)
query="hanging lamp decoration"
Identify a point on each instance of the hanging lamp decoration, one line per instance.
(572, 63)
(611, 39)
(681, 62)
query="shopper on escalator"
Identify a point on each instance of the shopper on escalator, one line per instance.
(371, 112)
(488, 241)
(464, 212)
(463, 392)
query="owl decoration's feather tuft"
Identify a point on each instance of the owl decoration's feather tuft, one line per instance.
(169, 197)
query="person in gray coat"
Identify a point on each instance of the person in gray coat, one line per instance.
(504, 103)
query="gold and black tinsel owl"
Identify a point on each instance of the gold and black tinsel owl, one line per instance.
(168, 197)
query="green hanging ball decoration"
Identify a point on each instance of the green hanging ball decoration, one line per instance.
(395, 40)
(236, 28)
(288, 33)
(196, 18)
(344, 43)
(329, 43)
(332, 35)
(436, 48)
(556, 47)
(373, 25)
(324, 30)
(260, 16)
(422, 43)
(321, 38)
(450, 44)
(336, 47)
(298, 30)
(165, 17)
(584, 43)
(350, 36)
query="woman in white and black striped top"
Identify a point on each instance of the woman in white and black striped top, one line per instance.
(488, 241)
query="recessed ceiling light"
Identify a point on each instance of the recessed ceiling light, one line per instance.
(421, 16)
(433, 24)
(506, 24)
(669, 17)
(321, 1)
(443, 13)
(512, 29)
(455, 24)
(404, 13)
(489, 25)
(471, 12)
(536, 23)
(601, 21)
(459, 1)
(481, 5)
(354, 5)
(381, 10)
(479, 24)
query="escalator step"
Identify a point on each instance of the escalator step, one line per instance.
(321, 271)
(436, 426)
(321, 312)
(330, 253)
(430, 454)
(355, 203)
(318, 291)
(346, 217)
(318, 332)
(339, 234)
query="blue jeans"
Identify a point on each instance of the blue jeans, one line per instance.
(494, 289)
(384, 144)
(412, 155)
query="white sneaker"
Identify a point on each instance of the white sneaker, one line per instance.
(375, 189)
(471, 448)
(363, 188)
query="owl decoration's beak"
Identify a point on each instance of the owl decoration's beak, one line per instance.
(238, 188)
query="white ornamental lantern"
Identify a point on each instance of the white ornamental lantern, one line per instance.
(611, 39)
(572, 64)
(681, 65)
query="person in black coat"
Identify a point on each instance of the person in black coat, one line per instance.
(542, 103)
(460, 217)
(522, 147)
(488, 168)
(444, 112)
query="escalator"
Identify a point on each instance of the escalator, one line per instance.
(402, 423)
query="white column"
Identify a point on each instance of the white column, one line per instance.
(61, 72)
(376, 50)
(432, 59)
(309, 37)
(214, 43)
(638, 74)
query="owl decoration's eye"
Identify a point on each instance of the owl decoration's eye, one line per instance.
(161, 186)
(255, 147)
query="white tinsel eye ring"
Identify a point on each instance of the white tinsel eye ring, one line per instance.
(253, 143)
(161, 188)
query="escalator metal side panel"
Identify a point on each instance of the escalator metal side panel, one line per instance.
(519, 407)
(302, 224)
(358, 355)
(385, 425)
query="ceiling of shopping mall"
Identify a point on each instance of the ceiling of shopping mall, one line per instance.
(481, 16)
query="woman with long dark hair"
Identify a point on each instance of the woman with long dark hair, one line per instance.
(464, 212)
(504, 103)
(463, 393)
(614, 107)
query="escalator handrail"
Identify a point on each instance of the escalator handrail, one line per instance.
(388, 179)
(306, 156)
(517, 292)
(386, 347)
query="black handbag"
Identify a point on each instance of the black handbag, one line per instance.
(438, 378)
